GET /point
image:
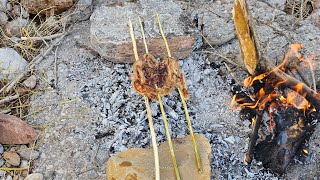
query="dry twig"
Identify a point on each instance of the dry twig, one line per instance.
(55, 68)
(41, 38)
(9, 98)
(30, 66)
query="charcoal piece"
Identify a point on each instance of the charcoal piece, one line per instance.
(293, 129)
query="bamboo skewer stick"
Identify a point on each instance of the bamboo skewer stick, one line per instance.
(152, 132)
(143, 36)
(174, 161)
(197, 156)
(154, 141)
(198, 160)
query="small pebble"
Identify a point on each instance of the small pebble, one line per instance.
(230, 139)
(14, 27)
(9, 177)
(3, 18)
(12, 158)
(9, 7)
(31, 82)
(24, 163)
(29, 154)
(24, 13)
(1, 149)
(3, 5)
(15, 177)
(2, 173)
(34, 176)
(173, 114)
(2, 161)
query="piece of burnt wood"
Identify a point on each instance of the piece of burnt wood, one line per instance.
(312, 96)
(293, 129)
(253, 138)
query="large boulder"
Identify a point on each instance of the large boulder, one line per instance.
(109, 31)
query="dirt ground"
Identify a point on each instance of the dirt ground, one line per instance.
(93, 113)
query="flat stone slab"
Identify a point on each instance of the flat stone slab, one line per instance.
(110, 37)
(138, 163)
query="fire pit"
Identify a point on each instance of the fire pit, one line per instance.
(288, 114)
(286, 109)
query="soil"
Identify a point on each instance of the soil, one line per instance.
(94, 113)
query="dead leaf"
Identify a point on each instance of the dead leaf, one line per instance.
(246, 40)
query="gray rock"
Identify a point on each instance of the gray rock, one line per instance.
(24, 163)
(279, 4)
(3, 4)
(3, 18)
(173, 114)
(212, 23)
(19, 11)
(112, 40)
(29, 154)
(13, 27)
(83, 10)
(31, 82)
(9, 177)
(315, 17)
(9, 7)
(2, 173)
(230, 139)
(24, 13)
(10, 63)
(34, 176)
(2, 161)
(1, 149)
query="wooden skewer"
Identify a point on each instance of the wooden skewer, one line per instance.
(146, 100)
(143, 36)
(164, 117)
(174, 161)
(197, 155)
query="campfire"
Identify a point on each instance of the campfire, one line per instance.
(283, 110)
(288, 111)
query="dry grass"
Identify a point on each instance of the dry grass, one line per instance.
(299, 8)
(34, 35)
(17, 107)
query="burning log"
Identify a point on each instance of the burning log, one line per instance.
(312, 96)
(291, 132)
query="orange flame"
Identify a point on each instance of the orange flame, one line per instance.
(297, 101)
(263, 97)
